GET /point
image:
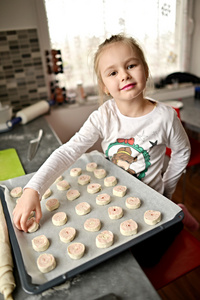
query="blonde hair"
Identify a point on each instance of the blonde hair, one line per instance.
(130, 41)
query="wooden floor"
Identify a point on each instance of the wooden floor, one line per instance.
(188, 286)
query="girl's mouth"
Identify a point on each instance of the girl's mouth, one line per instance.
(129, 86)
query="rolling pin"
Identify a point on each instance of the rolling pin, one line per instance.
(29, 113)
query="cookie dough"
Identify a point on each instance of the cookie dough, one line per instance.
(110, 181)
(75, 172)
(63, 185)
(93, 188)
(103, 199)
(32, 225)
(40, 243)
(72, 195)
(128, 227)
(76, 250)
(84, 179)
(67, 234)
(133, 202)
(16, 192)
(115, 212)
(82, 208)
(47, 194)
(46, 262)
(119, 190)
(52, 204)
(104, 239)
(92, 224)
(90, 167)
(100, 173)
(59, 179)
(151, 217)
(59, 218)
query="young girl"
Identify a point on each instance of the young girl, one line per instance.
(135, 130)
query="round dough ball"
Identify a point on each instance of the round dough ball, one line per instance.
(133, 202)
(67, 234)
(63, 185)
(52, 204)
(103, 199)
(92, 224)
(76, 250)
(72, 195)
(60, 178)
(16, 192)
(110, 181)
(128, 227)
(82, 208)
(151, 217)
(46, 262)
(93, 188)
(104, 239)
(115, 212)
(90, 167)
(40, 243)
(84, 179)
(100, 173)
(75, 172)
(47, 194)
(59, 218)
(119, 190)
(32, 225)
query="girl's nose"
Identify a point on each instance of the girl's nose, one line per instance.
(125, 75)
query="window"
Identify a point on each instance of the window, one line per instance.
(77, 28)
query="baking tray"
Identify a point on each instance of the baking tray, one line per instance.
(32, 280)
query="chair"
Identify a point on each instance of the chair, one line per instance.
(182, 256)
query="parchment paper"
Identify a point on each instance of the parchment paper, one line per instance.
(150, 200)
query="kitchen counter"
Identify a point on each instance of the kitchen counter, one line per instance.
(120, 275)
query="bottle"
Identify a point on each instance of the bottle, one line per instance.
(80, 93)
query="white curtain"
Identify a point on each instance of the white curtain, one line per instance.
(77, 28)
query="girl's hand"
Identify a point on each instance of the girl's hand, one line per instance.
(28, 202)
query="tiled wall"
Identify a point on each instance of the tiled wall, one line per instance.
(22, 80)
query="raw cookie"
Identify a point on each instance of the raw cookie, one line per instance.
(52, 204)
(46, 262)
(59, 218)
(75, 172)
(104, 239)
(40, 243)
(47, 194)
(128, 227)
(60, 178)
(92, 224)
(133, 202)
(90, 167)
(103, 199)
(82, 208)
(93, 188)
(32, 225)
(119, 190)
(110, 181)
(151, 217)
(115, 212)
(16, 192)
(72, 195)
(76, 250)
(84, 179)
(63, 185)
(67, 234)
(100, 173)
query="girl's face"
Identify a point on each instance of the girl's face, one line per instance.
(122, 72)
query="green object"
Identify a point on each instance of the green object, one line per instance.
(10, 164)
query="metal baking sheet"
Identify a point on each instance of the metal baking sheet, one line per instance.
(33, 281)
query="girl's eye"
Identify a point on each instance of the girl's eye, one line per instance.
(113, 73)
(131, 66)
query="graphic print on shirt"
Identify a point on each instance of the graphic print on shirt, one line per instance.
(129, 156)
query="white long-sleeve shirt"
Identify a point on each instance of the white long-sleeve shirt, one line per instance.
(137, 145)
